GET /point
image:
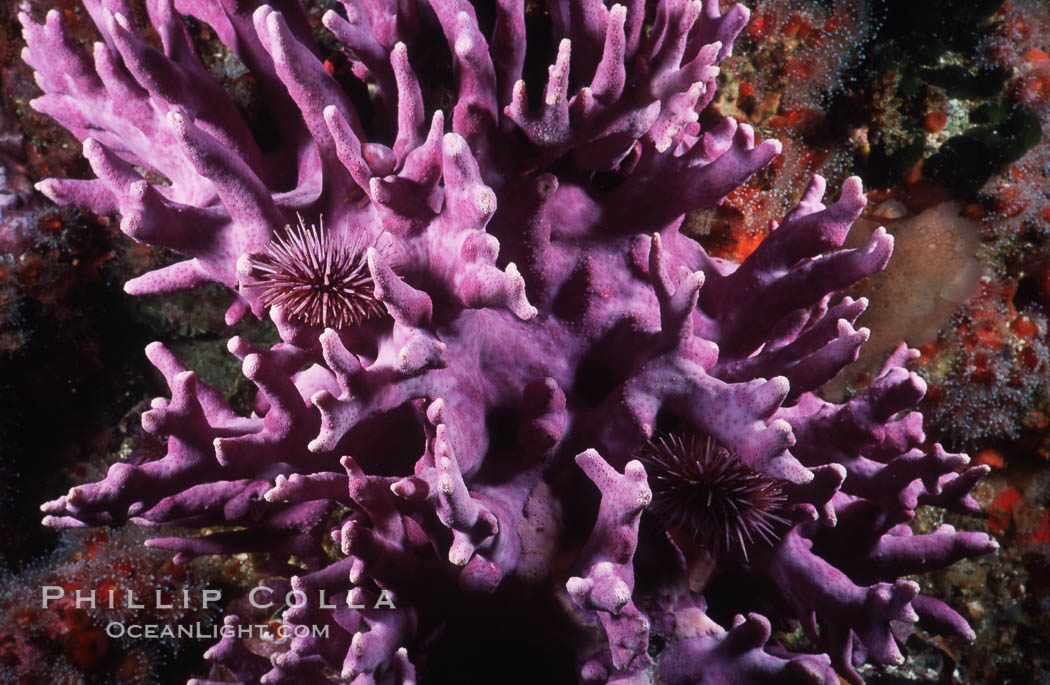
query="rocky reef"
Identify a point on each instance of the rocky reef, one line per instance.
(510, 396)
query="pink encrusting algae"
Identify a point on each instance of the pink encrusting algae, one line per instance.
(543, 325)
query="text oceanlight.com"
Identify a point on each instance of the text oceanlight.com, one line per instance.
(274, 633)
(260, 597)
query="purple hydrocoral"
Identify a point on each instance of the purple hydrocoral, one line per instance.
(545, 316)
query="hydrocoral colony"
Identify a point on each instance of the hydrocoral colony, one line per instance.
(542, 319)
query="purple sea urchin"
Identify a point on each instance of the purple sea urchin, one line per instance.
(315, 276)
(705, 491)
